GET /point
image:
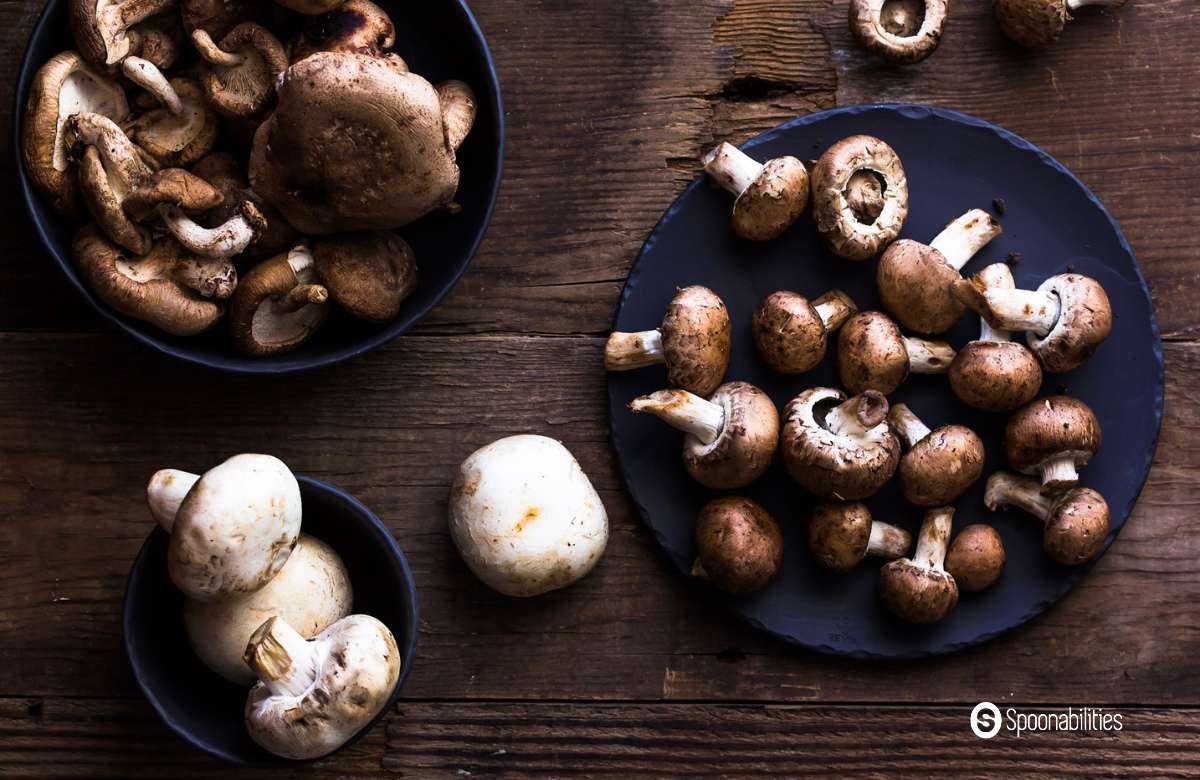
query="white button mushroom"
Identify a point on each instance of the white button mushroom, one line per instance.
(525, 517)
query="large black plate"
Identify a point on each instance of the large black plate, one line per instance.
(954, 162)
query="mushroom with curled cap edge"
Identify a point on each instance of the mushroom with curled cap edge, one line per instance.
(739, 547)
(859, 197)
(1033, 23)
(278, 305)
(368, 274)
(731, 437)
(994, 373)
(232, 528)
(941, 464)
(694, 341)
(1065, 320)
(183, 128)
(770, 196)
(838, 448)
(1076, 522)
(914, 279)
(841, 534)
(314, 695)
(222, 171)
(919, 589)
(791, 333)
(1051, 437)
(976, 558)
(102, 28)
(874, 355)
(900, 31)
(356, 26)
(240, 72)
(110, 166)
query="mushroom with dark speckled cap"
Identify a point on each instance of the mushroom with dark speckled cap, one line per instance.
(941, 464)
(1051, 437)
(739, 547)
(1034, 23)
(841, 534)
(900, 31)
(919, 589)
(859, 196)
(770, 196)
(874, 355)
(791, 333)
(1076, 522)
(976, 558)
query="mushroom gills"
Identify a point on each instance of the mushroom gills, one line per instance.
(284, 318)
(902, 18)
(84, 91)
(864, 195)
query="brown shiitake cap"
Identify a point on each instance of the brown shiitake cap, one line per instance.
(995, 376)
(1084, 322)
(1077, 526)
(746, 444)
(773, 202)
(109, 166)
(871, 353)
(976, 557)
(171, 187)
(919, 589)
(697, 340)
(368, 274)
(941, 465)
(904, 31)
(101, 30)
(1057, 431)
(240, 73)
(356, 26)
(843, 232)
(738, 544)
(791, 334)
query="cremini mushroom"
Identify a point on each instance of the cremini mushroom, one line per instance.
(313, 696)
(976, 558)
(859, 196)
(919, 589)
(1076, 522)
(915, 279)
(902, 31)
(240, 73)
(770, 196)
(841, 534)
(1034, 23)
(102, 27)
(278, 305)
(838, 448)
(1051, 437)
(995, 373)
(941, 464)
(731, 437)
(110, 167)
(694, 341)
(525, 517)
(356, 26)
(221, 170)
(183, 128)
(739, 547)
(234, 527)
(874, 355)
(368, 274)
(791, 333)
(310, 592)
(1066, 319)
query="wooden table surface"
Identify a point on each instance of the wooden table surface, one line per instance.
(609, 105)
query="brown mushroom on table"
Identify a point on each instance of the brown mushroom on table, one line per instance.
(183, 128)
(240, 73)
(838, 448)
(901, 31)
(367, 274)
(694, 341)
(976, 558)
(1076, 522)
(941, 464)
(841, 534)
(1051, 437)
(739, 547)
(995, 373)
(278, 305)
(859, 197)
(919, 589)
(1033, 23)
(915, 279)
(731, 437)
(770, 196)
(874, 355)
(791, 333)
(354, 26)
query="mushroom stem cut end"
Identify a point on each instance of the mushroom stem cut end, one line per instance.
(626, 351)
(281, 658)
(165, 493)
(964, 237)
(683, 410)
(834, 308)
(888, 541)
(857, 415)
(732, 168)
(928, 357)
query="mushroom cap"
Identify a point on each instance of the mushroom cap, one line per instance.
(697, 340)
(259, 320)
(871, 353)
(311, 592)
(172, 187)
(525, 517)
(773, 201)
(746, 444)
(178, 141)
(871, 30)
(942, 466)
(222, 171)
(843, 233)
(788, 333)
(838, 534)
(1032, 23)
(916, 593)
(835, 465)
(914, 287)
(995, 376)
(356, 26)
(1051, 427)
(235, 528)
(245, 90)
(109, 167)
(369, 274)
(976, 557)
(1084, 322)
(739, 547)
(1077, 527)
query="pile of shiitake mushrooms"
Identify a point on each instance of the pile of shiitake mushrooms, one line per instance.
(843, 445)
(242, 160)
(270, 607)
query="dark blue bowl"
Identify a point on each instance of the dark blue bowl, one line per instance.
(438, 40)
(205, 709)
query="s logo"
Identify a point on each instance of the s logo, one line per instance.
(985, 720)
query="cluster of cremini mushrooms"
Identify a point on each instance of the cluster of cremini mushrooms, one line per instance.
(270, 607)
(843, 446)
(228, 172)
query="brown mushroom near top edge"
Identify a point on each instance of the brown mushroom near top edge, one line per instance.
(222, 171)
(976, 558)
(367, 274)
(1033, 23)
(900, 31)
(357, 26)
(791, 333)
(101, 27)
(732, 436)
(1076, 522)
(278, 305)
(769, 196)
(874, 355)
(694, 341)
(183, 128)
(859, 197)
(919, 589)
(739, 547)
(841, 534)
(1051, 437)
(239, 78)
(941, 464)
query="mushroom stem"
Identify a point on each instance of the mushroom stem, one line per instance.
(166, 492)
(996, 276)
(1005, 489)
(961, 239)
(888, 541)
(864, 195)
(213, 53)
(683, 410)
(225, 240)
(834, 308)
(1024, 310)
(147, 76)
(625, 351)
(933, 538)
(732, 168)
(928, 357)
(1073, 5)
(300, 296)
(1059, 474)
(284, 661)
(907, 425)
(857, 415)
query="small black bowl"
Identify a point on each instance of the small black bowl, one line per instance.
(205, 709)
(438, 40)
